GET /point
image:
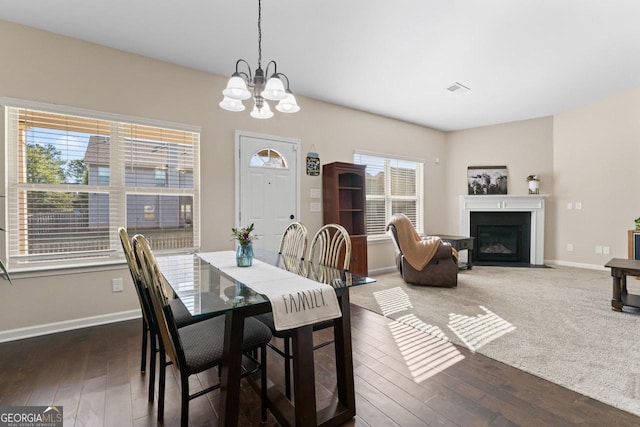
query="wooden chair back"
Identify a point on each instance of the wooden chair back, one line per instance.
(159, 299)
(331, 247)
(134, 269)
(293, 245)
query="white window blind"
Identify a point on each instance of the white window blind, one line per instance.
(73, 179)
(394, 185)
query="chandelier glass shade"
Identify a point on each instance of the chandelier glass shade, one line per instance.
(272, 89)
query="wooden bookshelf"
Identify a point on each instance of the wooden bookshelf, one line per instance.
(344, 203)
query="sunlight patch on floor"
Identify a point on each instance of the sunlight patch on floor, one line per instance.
(392, 300)
(412, 320)
(425, 354)
(480, 330)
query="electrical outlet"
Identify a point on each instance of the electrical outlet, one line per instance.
(569, 205)
(116, 285)
(606, 250)
(599, 249)
(578, 205)
(569, 247)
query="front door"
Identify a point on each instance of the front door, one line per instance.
(267, 186)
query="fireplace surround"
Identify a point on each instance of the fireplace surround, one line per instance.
(531, 204)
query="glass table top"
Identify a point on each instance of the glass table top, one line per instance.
(205, 289)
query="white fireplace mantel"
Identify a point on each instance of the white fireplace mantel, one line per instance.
(507, 203)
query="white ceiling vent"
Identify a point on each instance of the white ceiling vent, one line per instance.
(458, 88)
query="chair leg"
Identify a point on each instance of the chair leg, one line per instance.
(287, 368)
(263, 383)
(184, 417)
(143, 358)
(161, 384)
(153, 354)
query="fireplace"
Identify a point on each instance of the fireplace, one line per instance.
(501, 237)
(531, 205)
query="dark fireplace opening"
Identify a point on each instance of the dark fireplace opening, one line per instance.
(501, 238)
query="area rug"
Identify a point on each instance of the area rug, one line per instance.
(555, 323)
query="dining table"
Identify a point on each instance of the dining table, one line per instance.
(206, 288)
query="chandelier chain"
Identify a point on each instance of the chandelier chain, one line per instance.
(259, 34)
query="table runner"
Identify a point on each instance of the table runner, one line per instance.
(295, 300)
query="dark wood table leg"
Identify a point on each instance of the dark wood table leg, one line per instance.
(469, 258)
(344, 358)
(232, 365)
(616, 301)
(304, 389)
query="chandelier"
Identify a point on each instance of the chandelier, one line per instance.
(274, 89)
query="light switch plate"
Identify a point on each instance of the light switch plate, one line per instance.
(315, 193)
(116, 285)
(315, 207)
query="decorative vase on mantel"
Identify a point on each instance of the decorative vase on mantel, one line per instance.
(534, 184)
(244, 255)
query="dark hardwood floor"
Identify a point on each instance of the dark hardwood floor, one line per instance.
(402, 378)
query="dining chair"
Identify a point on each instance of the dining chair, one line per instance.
(293, 246)
(135, 276)
(330, 257)
(199, 346)
(292, 249)
(330, 248)
(149, 328)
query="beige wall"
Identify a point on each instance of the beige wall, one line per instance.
(40, 66)
(596, 152)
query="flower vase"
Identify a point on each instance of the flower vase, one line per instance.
(534, 187)
(244, 255)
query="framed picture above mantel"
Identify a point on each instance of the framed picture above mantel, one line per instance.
(487, 180)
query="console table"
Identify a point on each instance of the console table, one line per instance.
(620, 269)
(461, 243)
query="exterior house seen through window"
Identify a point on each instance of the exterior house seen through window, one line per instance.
(393, 185)
(74, 179)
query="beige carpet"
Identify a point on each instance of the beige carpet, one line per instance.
(555, 323)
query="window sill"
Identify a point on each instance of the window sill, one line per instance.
(376, 240)
(45, 270)
(49, 270)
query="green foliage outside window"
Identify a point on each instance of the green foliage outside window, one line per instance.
(45, 166)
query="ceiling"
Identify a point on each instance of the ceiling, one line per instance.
(520, 58)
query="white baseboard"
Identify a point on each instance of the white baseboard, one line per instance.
(576, 264)
(382, 270)
(51, 328)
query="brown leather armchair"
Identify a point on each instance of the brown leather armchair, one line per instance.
(428, 262)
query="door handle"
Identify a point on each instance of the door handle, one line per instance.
(291, 216)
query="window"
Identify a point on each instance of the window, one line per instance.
(268, 158)
(74, 177)
(161, 177)
(103, 175)
(394, 185)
